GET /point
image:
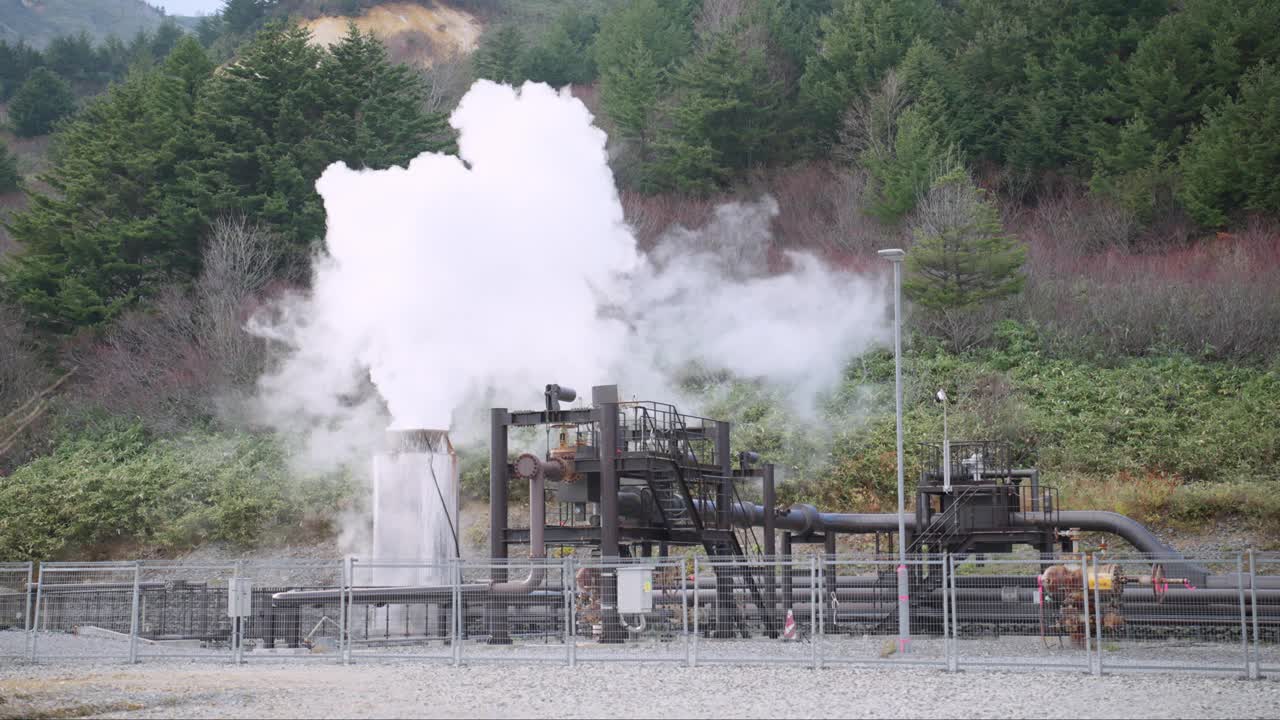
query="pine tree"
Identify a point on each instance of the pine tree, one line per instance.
(502, 58)
(16, 63)
(563, 57)
(629, 95)
(242, 15)
(72, 57)
(722, 119)
(961, 256)
(665, 27)
(10, 178)
(900, 175)
(861, 40)
(42, 101)
(1232, 161)
(375, 117)
(115, 223)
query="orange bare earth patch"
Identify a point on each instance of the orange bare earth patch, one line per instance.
(413, 34)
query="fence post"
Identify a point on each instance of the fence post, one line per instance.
(237, 623)
(36, 616)
(684, 612)
(696, 621)
(28, 626)
(344, 610)
(1249, 670)
(1097, 619)
(570, 617)
(1255, 668)
(133, 614)
(949, 598)
(459, 611)
(946, 616)
(815, 628)
(1084, 592)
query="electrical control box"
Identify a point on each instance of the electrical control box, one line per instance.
(240, 597)
(635, 590)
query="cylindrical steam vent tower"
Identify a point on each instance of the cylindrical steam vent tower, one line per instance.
(415, 506)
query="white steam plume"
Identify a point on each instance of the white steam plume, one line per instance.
(508, 267)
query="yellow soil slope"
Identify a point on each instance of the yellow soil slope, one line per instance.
(412, 33)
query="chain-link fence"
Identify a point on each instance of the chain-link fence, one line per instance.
(1078, 612)
(17, 597)
(636, 610)
(86, 610)
(517, 610)
(1157, 615)
(296, 610)
(862, 605)
(1264, 620)
(1019, 613)
(182, 611)
(403, 610)
(764, 610)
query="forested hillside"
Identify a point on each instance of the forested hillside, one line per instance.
(1088, 192)
(37, 22)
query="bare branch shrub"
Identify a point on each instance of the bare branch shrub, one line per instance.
(446, 80)
(871, 122)
(21, 373)
(172, 362)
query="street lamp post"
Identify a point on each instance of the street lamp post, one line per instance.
(946, 444)
(895, 256)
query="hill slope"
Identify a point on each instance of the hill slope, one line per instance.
(414, 34)
(39, 21)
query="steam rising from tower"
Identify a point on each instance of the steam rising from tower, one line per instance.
(511, 264)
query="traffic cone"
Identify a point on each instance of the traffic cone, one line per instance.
(789, 628)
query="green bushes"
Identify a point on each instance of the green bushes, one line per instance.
(1161, 438)
(103, 490)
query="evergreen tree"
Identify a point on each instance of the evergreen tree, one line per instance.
(10, 178)
(72, 57)
(114, 224)
(901, 173)
(43, 100)
(375, 117)
(861, 40)
(1232, 161)
(1192, 60)
(664, 27)
(267, 125)
(16, 63)
(629, 95)
(564, 56)
(961, 256)
(242, 16)
(722, 119)
(501, 58)
(166, 37)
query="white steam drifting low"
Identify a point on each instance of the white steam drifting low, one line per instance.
(511, 266)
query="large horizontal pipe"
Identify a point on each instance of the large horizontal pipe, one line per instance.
(806, 518)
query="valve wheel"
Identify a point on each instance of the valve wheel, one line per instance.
(1158, 584)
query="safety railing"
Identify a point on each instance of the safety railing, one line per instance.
(1081, 612)
(403, 610)
(631, 610)
(17, 596)
(861, 611)
(757, 610)
(1264, 620)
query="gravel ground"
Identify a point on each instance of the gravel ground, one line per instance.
(401, 689)
(313, 685)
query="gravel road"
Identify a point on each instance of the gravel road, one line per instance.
(403, 689)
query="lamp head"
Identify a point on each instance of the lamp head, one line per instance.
(941, 396)
(892, 254)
